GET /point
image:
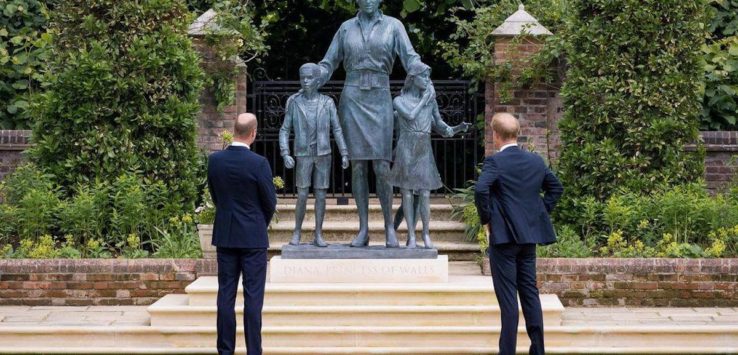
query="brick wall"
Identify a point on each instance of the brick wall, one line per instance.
(96, 281)
(720, 164)
(211, 122)
(537, 107)
(640, 282)
(12, 145)
(578, 282)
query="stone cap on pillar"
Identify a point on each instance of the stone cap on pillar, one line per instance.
(521, 22)
(206, 24)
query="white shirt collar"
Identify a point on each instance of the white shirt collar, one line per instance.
(508, 146)
(239, 144)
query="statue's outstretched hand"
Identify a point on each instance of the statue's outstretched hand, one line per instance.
(289, 162)
(461, 127)
(345, 162)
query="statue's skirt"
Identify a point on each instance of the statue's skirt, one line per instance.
(414, 167)
(367, 120)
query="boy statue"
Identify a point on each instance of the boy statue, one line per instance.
(312, 116)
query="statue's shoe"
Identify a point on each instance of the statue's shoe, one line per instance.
(361, 240)
(295, 239)
(411, 243)
(427, 242)
(319, 242)
(391, 239)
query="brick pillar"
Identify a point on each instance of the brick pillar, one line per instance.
(13, 143)
(537, 107)
(212, 123)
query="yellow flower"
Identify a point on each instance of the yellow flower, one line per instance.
(227, 137)
(93, 244)
(187, 219)
(643, 224)
(133, 241)
(278, 182)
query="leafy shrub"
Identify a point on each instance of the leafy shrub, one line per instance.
(179, 240)
(123, 98)
(465, 211)
(24, 51)
(720, 102)
(568, 245)
(631, 97)
(35, 213)
(102, 220)
(680, 221)
(85, 215)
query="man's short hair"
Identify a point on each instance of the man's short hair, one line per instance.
(311, 66)
(245, 125)
(506, 125)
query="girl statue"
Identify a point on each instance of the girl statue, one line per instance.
(414, 170)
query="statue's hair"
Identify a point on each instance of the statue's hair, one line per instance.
(315, 68)
(415, 69)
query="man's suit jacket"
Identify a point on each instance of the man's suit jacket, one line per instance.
(508, 195)
(240, 183)
(326, 120)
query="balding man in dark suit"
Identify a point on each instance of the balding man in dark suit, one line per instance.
(240, 183)
(510, 205)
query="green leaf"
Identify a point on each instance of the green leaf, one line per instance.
(733, 50)
(411, 6)
(21, 85)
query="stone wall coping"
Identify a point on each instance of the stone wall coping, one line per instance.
(99, 266)
(196, 265)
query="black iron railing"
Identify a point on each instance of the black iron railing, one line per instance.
(456, 157)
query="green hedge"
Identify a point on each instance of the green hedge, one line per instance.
(23, 54)
(631, 97)
(123, 98)
(720, 105)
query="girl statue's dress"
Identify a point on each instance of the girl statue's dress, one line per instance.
(414, 165)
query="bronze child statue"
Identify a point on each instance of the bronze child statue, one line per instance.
(312, 116)
(414, 170)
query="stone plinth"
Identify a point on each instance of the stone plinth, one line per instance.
(358, 270)
(344, 251)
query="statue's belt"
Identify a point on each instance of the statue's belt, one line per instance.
(367, 79)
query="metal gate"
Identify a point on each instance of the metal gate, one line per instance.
(456, 157)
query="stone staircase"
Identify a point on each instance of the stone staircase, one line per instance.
(341, 223)
(457, 317)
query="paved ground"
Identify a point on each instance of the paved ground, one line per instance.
(136, 315)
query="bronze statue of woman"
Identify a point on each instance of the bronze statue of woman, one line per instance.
(368, 45)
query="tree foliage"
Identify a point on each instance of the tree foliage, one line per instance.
(631, 96)
(305, 28)
(720, 104)
(23, 52)
(123, 97)
(471, 47)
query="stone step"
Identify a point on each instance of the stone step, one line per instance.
(345, 231)
(439, 212)
(702, 339)
(459, 291)
(174, 310)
